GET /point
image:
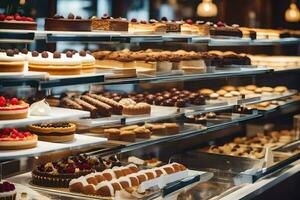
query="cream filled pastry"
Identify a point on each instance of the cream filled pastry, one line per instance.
(55, 63)
(11, 61)
(40, 108)
(87, 61)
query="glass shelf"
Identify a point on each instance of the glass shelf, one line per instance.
(27, 36)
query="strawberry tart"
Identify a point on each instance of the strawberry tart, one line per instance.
(17, 21)
(13, 108)
(11, 139)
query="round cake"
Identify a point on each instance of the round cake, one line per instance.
(11, 139)
(11, 62)
(87, 61)
(13, 108)
(17, 22)
(56, 132)
(54, 63)
(59, 173)
(7, 191)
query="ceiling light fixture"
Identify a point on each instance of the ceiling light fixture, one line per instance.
(292, 14)
(207, 9)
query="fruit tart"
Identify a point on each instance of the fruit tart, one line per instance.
(59, 173)
(17, 21)
(11, 139)
(13, 108)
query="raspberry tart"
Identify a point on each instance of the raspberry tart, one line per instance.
(13, 108)
(56, 132)
(17, 21)
(59, 173)
(11, 139)
(7, 191)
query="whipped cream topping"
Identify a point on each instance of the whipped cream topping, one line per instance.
(15, 58)
(40, 108)
(85, 59)
(63, 60)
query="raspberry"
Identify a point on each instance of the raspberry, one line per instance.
(2, 17)
(2, 101)
(14, 101)
(189, 21)
(14, 136)
(20, 135)
(9, 17)
(14, 131)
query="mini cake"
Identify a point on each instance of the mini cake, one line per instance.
(55, 63)
(130, 107)
(172, 128)
(87, 61)
(17, 22)
(7, 191)
(59, 173)
(157, 129)
(11, 62)
(112, 133)
(11, 139)
(107, 23)
(142, 132)
(71, 23)
(57, 132)
(13, 108)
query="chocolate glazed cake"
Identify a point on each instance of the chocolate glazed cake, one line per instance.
(72, 23)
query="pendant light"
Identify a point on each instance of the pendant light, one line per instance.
(292, 14)
(207, 9)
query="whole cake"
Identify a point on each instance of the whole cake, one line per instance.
(54, 132)
(13, 108)
(10, 61)
(55, 63)
(59, 173)
(11, 139)
(17, 21)
(71, 23)
(7, 191)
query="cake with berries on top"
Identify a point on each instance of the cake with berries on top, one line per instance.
(221, 29)
(59, 173)
(13, 108)
(71, 23)
(11, 139)
(7, 191)
(17, 21)
(107, 23)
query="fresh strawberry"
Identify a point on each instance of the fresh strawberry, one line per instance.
(9, 17)
(2, 101)
(24, 18)
(20, 135)
(29, 19)
(6, 131)
(14, 136)
(26, 134)
(2, 17)
(14, 131)
(14, 101)
(18, 18)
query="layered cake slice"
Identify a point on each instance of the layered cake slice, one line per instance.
(71, 23)
(221, 29)
(107, 23)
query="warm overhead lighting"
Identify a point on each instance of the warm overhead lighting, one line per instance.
(292, 14)
(207, 9)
